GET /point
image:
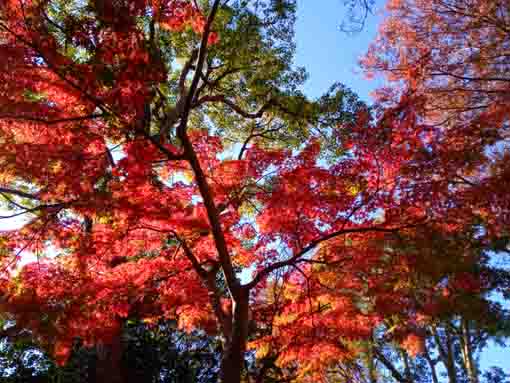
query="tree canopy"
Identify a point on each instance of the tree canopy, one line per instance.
(167, 167)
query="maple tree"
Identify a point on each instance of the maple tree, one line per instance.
(447, 60)
(446, 66)
(168, 166)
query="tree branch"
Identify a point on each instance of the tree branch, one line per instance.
(209, 279)
(181, 130)
(393, 370)
(234, 106)
(59, 206)
(297, 257)
(18, 193)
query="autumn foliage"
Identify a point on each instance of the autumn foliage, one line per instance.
(446, 62)
(138, 205)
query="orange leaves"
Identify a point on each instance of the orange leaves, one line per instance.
(178, 15)
(92, 306)
(414, 344)
(427, 49)
(229, 175)
(151, 220)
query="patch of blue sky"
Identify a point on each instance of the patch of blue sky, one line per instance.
(328, 54)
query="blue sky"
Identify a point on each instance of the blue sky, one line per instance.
(329, 56)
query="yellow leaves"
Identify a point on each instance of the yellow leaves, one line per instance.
(353, 190)
(243, 257)
(350, 189)
(262, 351)
(323, 302)
(5, 252)
(150, 320)
(284, 319)
(402, 284)
(104, 219)
(292, 292)
(7, 172)
(191, 317)
(328, 278)
(187, 175)
(262, 347)
(55, 166)
(247, 209)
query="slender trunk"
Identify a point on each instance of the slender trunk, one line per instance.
(446, 354)
(452, 371)
(108, 363)
(233, 353)
(432, 365)
(407, 366)
(372, 373)
(467, 353)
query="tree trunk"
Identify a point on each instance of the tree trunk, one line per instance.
(395, 373)
(432, 365)
(108, 363)
(446, 354)
(372, 371)
(232, 361)
(452, 371)
(467, 353)
(407, 366)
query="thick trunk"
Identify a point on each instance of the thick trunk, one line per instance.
(452, 371)
(235, 345)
